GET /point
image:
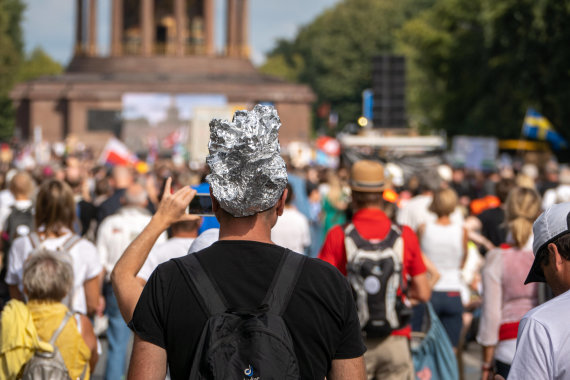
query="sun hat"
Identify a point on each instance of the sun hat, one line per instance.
(549, 226)
(367, 176)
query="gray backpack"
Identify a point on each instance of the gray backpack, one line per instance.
(49, 365)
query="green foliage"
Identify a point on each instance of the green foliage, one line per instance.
(11, 42)
(475, 66)
(14, 67)
(10, 58)
(334, 53)
(284, 62)
(38, 64)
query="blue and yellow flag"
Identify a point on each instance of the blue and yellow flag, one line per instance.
(538, 127)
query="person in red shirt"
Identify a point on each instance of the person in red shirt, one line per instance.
(390, 357)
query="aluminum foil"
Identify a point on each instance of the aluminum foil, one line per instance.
(248, 174)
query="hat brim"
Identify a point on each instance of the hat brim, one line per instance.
(367, 187)
(536, 274)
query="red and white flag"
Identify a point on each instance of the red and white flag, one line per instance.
(117, 153)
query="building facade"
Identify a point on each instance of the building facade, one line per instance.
(156, 46)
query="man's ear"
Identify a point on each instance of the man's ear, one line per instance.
(215, 203)
(552, 248)
(281, 203)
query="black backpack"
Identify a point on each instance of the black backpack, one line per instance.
(19, 223)
(244, 344)
(374, 271)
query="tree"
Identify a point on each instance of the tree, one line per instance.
(10, 59)
(333, 54)
(14, 66)
(475, 66)
(38, 64)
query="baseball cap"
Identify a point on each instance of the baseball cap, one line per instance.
(367, 176)
(550, 225)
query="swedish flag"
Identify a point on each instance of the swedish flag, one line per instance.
(538, 127)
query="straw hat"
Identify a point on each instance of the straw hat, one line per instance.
(367, 176)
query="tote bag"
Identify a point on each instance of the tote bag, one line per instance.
(433, 355)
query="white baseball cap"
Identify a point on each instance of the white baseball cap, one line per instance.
(549, 226)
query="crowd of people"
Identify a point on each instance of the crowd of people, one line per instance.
(84, 243)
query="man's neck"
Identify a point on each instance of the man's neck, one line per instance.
(249, 228)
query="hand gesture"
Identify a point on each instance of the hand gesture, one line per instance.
(172, 207)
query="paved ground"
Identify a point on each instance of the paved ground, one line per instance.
(471, 360)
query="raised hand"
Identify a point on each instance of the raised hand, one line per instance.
(172, 207)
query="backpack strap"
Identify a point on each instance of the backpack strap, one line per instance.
(284, 281)
(69, 243)
(212, 301)
(351, 232)
(56, 333)
(35, 239)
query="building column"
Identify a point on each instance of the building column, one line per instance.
(181, 26)
(79, 39)
(209, 27)
(147, 27)
(232, 29)
(117, 29)
(243, 29)
(92, 38)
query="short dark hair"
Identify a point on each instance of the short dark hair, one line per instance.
(187, 225)
(503, 188)
(563, 245)
(362, 199)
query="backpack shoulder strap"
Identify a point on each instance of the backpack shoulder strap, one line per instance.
(284, 281)
(351, 233)
(212, 301)
(69, 243)
(35, 239)
(56, 333)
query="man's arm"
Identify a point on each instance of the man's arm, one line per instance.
(342, 369)
(148, 361)
(127, 286)
(92, 288)
(419, 288)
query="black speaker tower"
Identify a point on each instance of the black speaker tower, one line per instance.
(389, 87)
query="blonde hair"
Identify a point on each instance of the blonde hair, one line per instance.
(524, 180)
(444, 202)
(521, 210)
(46, 277)
(22, 184)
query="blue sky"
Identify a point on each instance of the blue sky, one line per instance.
(50, 24)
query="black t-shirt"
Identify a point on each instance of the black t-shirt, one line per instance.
(321, 315)
(492, 225)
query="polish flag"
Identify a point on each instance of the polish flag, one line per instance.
(117, 153)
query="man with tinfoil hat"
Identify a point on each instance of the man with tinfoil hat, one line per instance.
(244, 308)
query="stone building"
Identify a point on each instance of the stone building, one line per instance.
(156, 46)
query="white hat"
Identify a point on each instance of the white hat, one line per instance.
(550, 225)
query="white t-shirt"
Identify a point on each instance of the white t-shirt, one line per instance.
(161, 253)
(6, 202)
(542, 342)
(205, 239)
(292, 231)
(117, 231)
(86, 264)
